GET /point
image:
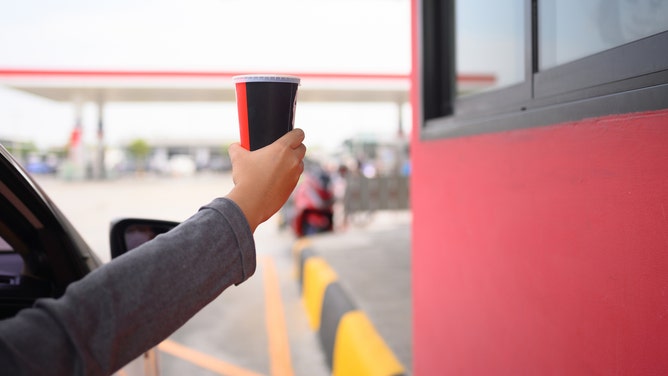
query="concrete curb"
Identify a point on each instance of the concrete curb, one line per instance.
(348, 338)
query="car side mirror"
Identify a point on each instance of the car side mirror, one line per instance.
(129, 233)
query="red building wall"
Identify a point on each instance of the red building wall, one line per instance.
(542, 250)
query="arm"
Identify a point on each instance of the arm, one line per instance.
(131, 304)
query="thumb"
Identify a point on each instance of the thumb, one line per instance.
(237, 154)
(236, 151)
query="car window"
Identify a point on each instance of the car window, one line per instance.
(11, 263)
(4, 246)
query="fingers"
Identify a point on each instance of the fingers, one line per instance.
(294, 138)
(300, 151)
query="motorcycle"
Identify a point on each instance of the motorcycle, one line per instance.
(310, 209)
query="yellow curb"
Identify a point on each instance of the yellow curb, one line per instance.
(317, 276)
(359, 350)
(297, 247)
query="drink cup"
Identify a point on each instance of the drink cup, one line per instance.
(266, 105)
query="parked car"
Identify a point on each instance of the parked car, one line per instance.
(41, 253)
(182, 165)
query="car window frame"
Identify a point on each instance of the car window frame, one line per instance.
(51, 234)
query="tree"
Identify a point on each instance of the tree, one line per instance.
(139, 150)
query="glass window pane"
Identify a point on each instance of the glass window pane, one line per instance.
(490, 44)
(4, 246)
(572, 29)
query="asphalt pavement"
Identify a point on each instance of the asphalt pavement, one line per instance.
(256, 328)
(371, 263)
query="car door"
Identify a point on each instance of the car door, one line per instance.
(40, 251)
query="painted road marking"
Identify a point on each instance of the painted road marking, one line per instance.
(203, 360)
(279, 346)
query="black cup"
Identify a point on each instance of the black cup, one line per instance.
(266, 105)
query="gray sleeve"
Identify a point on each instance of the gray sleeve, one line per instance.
(131, 304)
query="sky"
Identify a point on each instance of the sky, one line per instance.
(369, 36)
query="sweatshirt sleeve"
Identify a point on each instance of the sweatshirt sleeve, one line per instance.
(129, 305)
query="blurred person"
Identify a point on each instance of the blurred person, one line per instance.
(339, 188)
(313, 202)
(129, 305)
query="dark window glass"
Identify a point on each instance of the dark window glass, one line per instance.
(496, 65)
(490, 44)
(4, 246)
(573, 29)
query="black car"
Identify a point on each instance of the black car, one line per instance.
(40, 251)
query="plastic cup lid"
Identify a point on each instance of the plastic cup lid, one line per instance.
(266, 78)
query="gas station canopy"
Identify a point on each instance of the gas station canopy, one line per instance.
(105, 86)
(192, 86)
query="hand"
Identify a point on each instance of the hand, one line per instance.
(264, 178)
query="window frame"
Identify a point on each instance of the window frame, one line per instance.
(629, 78)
